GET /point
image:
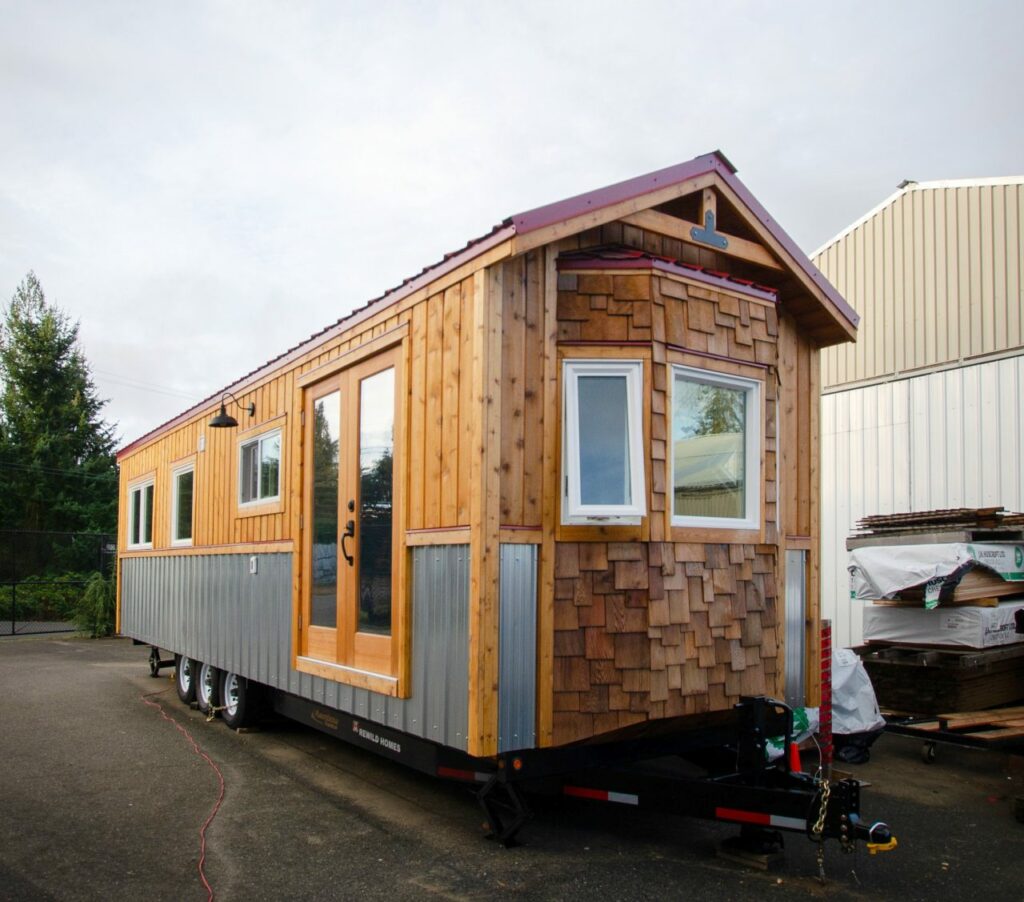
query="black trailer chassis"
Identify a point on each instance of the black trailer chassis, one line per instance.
(721, 773)
(657, 774)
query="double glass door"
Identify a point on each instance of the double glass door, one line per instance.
(349, 509)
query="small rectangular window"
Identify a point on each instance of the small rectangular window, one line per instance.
(140, 518)
(603, 441)
(182, 491)
(259, 469)
(716, 453)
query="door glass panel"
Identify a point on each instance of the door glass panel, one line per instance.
(604, 440)
(376, 454)
(324, 582)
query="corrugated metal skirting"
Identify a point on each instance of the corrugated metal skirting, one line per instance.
(796, 627)
(517, 684)
(211, 608)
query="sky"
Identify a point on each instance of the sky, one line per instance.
(202, 185)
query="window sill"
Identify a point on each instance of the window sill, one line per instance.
(339, 673)
(633, 520)
(732, 535)
(259, 508)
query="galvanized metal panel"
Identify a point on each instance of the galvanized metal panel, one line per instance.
(935, 272)
(210, 607)
(517, 668)
(946, 439)
(796, 628)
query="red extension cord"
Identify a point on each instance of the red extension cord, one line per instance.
(220, 779)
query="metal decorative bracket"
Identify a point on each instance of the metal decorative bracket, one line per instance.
(708, 235)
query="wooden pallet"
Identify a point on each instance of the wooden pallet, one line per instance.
(986, 728)
(928, 681)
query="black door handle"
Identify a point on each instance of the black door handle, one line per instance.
(350, 531)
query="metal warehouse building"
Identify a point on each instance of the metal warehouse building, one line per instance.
(925, 410)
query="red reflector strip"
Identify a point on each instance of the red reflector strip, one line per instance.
(761, 819)
(453, 773)
(744, 817)
(601, 795)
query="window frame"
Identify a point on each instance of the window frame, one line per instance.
(753, 424)
(258, 440)
(574, 511)
(139, 488)
(176, 473)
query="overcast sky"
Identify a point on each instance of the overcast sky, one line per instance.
(203, 185)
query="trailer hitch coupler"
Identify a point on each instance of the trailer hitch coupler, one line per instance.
(878, 837)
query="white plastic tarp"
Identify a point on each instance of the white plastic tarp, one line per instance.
(885, 570)
(854, 706)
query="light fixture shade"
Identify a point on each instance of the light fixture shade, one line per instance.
(223, 420)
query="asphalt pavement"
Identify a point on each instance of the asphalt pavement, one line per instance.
(102, 798)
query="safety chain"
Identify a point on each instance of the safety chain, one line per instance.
(818, 830)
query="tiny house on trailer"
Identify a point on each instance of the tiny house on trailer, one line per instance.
(558, 489)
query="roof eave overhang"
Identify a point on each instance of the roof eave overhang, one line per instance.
(567, 217)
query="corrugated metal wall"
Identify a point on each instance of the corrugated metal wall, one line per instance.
(936, 274)
(947, 439)
(211, 608)
(517, 668)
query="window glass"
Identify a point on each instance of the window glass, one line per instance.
(326, 434)
(136, 507)
(259, 469)
(270, 463)
(140, 515)
(183, 489)
(376, 476)
(714, 434)
(147, 519)
(604, 440)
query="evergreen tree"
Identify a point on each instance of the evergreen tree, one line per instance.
(721, 410)
(57, 461)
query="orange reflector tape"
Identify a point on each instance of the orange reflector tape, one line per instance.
(601, 795)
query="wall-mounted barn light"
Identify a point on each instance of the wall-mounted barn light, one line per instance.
(223, 419)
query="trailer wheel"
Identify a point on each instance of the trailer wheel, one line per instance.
(240, 699)
(208, 688)
(184, 678)
(928, 753)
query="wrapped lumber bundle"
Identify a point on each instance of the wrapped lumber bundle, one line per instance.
(950, 578)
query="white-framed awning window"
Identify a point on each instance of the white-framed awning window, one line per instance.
(602, 440)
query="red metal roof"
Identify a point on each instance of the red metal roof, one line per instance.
(518, 225)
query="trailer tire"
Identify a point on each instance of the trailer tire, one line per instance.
(185, 678)
(240, 699)
(208, 688)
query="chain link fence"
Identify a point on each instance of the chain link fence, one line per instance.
(43, 577)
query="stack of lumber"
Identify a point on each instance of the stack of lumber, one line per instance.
(977, 588)
(962, 524)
